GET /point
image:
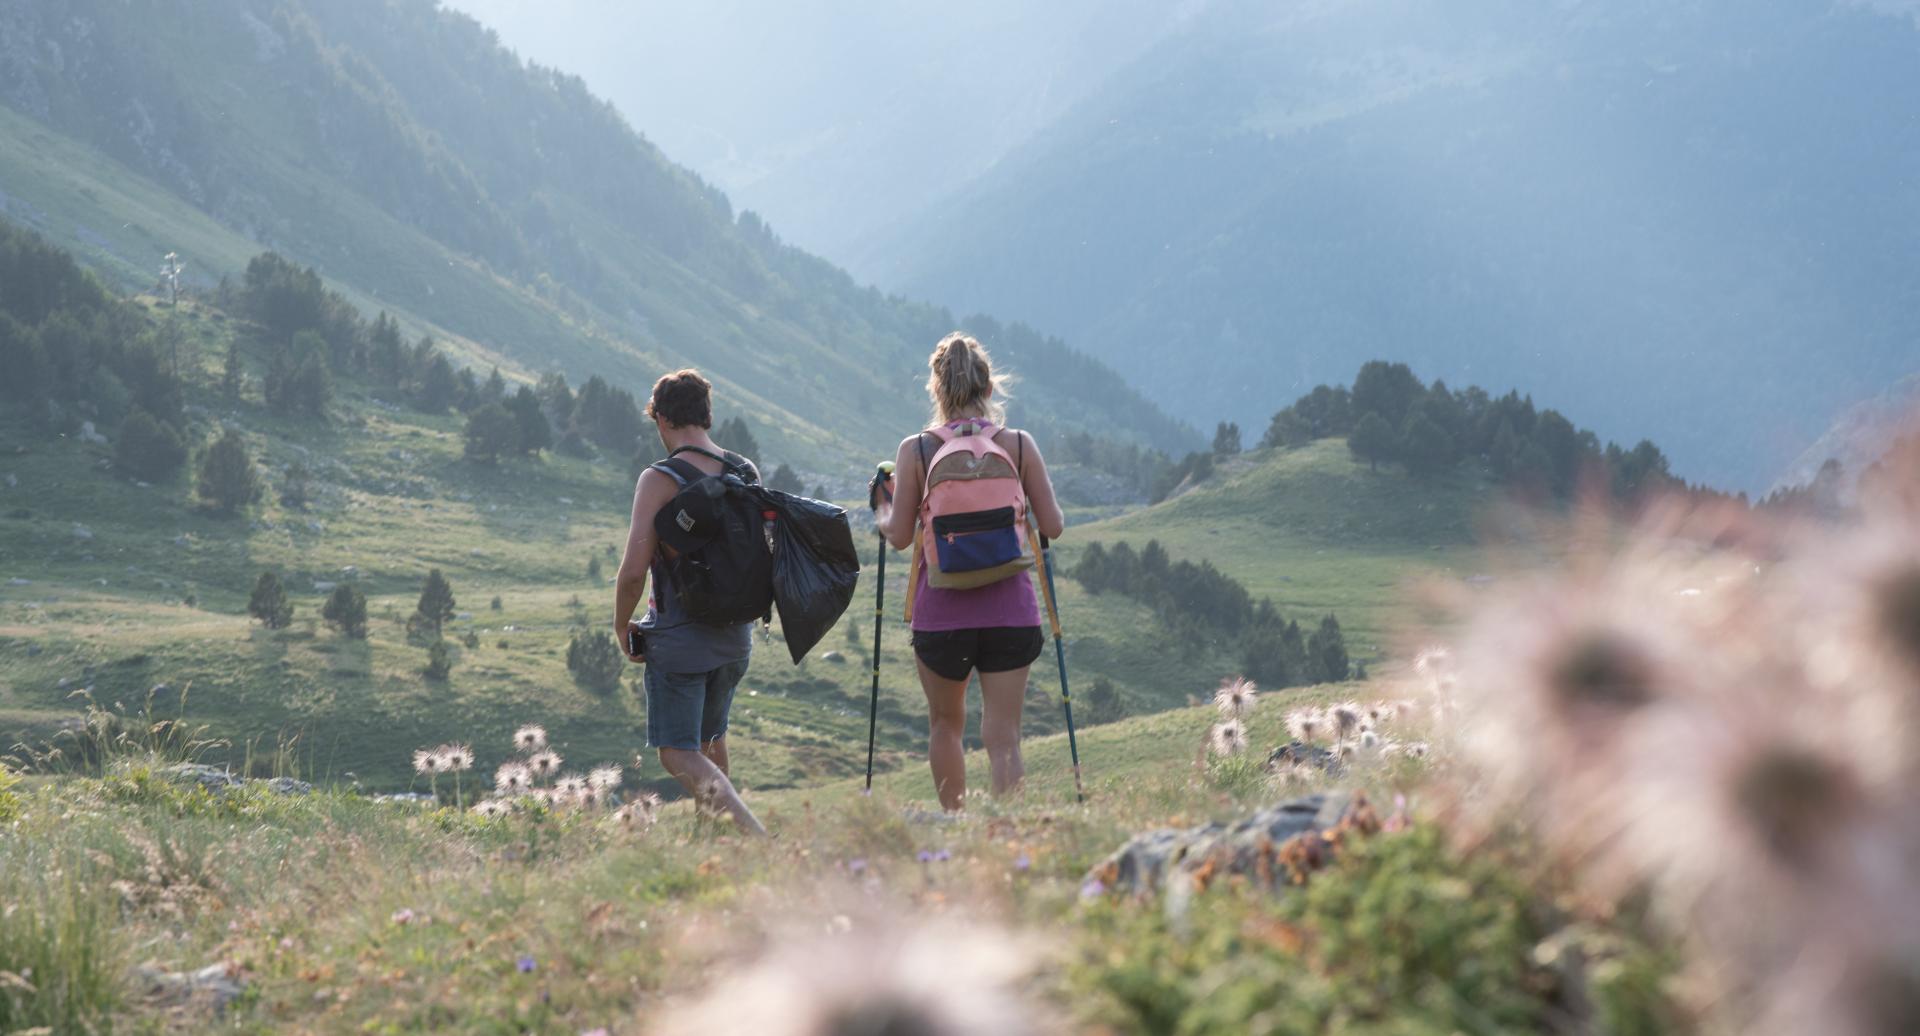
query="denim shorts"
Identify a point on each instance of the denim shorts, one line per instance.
(688, 710)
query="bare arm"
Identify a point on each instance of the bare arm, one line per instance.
(650, 494)
(1041, 502)
(897, 522)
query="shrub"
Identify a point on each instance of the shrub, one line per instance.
(346, 611)
(269, 602)
(148, 448)
(439, 660)
(436, 600)
(595, 661)
(226, 480)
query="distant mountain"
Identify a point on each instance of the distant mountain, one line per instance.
(836, 120)
(399, 148)
(1696, 222)
(1858, 438)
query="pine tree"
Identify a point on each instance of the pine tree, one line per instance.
(1426, 447)
(233, 376)
(785, 480)
(436, 601)
(495, 389)
(269, 602)
(148, 448)
(535, 434)
(595, 661)
(491, 431)
(1372, 440)
(1226, 439)
(733, 434)
(1327, 650)
(226, 481)
(346, 611)
(1103, 702)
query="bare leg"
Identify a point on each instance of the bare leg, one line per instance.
(709, 786)
(946, 722)
(716, 751)
(1002, 697)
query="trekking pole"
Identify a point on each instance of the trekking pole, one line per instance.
(1060, 655)
(881, 477)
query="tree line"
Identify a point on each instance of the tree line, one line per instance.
(1199, 604)
(1389, 416)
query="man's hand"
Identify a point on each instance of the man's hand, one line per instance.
(625, 637)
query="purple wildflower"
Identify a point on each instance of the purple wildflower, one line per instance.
(524, 964)
(1093, 889)
(943, 856)
(1022, 862)
(857, 865)
(925, 856)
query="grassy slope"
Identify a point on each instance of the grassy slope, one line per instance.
(393, 499)
(1318, 532)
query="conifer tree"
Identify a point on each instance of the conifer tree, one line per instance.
(269, 602)
(226, 481)
(346, 611)
(1372, 440)
(436, 600)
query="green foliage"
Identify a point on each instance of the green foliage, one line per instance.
(785, 480)
(1226, 439)
(346, 611)
(9, 798)
(226, 482)
(1373, 439)
(491, 431)
(733, 434)
(1397, 936)
(595, 661)
(1102, 702)
(439, 661)
(148, 448)
(62, 958)
(530, 422)
(269, 602)
(436, 604)
(297, 377)
(1328, 651)
(294, 490)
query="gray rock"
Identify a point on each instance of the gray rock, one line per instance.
(1301, 754)
(323, 586)
(407, 798)
(289, 786)
(81, 532)
(833, 656)
(1262, 847)
(216, 984)
(210, 777)
(17, 581)
(88, 434)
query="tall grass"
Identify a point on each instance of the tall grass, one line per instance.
(62, 955)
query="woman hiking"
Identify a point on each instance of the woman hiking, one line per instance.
(968, 494)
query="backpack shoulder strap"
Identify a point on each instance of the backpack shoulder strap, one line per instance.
(729, 461)
(681, 472)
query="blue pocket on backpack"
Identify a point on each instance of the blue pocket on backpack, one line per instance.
(972, 541)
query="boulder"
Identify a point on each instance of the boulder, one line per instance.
(212, 778)
(216, 985)
(323, 586)
(1274, 848)
(81, 532)
(1299, 753)
(833, 656)
(288, 786)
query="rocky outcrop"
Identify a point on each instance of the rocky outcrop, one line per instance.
(213, 778)
(1275, 848)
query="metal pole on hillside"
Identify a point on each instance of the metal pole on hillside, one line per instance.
(1060, 655)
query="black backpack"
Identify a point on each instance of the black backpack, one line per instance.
(729, 579)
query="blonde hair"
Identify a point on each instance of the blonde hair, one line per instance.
(961, 383)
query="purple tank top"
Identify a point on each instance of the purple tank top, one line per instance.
(1009, 602)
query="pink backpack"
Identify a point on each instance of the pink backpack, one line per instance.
(973, 511)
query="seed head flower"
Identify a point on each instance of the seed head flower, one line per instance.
(572, 786)
(456, 758)
(1306, 725)
(530, 738)
(512, 778)
(1345, 720)
(1235, 698)
(1229, 737)
(425, 761)
(604, 779)
(544, 763)
(492, 809)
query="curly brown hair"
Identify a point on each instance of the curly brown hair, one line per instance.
(683, 399)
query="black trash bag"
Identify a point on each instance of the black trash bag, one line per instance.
(815, 568)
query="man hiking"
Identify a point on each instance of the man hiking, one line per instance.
(692, 666)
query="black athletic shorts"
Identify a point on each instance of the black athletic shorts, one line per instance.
(954, 654)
